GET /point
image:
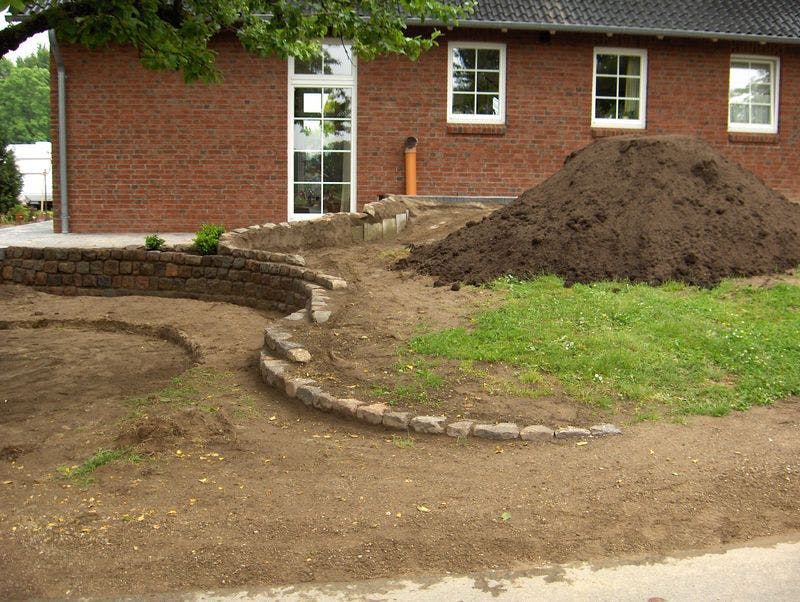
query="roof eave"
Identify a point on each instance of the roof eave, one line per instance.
(638, 31)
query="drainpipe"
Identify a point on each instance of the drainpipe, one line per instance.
(62, 130)
(411, 166)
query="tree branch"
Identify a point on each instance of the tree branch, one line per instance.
(13, 35)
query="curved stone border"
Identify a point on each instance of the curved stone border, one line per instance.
(280, 356)
(274, 281)
(163, 332)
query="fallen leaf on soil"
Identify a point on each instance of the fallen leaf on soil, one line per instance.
(423, 509)
(505, 516)
(203, 480)
(579, 443)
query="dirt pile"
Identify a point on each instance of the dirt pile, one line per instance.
(647, 209)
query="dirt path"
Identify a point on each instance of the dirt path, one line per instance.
(245, 487)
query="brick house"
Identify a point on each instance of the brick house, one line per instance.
(495, 108)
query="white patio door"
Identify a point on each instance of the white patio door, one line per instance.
(322, 124)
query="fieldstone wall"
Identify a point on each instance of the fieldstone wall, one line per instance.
(381, 219)
(259, 279)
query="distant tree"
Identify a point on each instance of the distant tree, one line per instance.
(10, 178)
(5, 67)
(25, 105)
(40, 58)
(174, 34)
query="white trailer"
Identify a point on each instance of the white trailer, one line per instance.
(35, 163)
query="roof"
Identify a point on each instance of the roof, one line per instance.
(761, 20)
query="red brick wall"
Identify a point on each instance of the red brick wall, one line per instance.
(147, 153)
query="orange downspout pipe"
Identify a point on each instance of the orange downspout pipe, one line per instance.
(411, 166)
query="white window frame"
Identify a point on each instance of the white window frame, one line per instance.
(634, 124)
(322, 81)
(774, 63)
(498, 119)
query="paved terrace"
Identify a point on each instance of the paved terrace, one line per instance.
(41, 235)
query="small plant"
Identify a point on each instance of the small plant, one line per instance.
(153, 242)
(402, 442)
(207, 238)
(100, 458)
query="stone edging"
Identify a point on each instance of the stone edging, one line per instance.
(280, 356)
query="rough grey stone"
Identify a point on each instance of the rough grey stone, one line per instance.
(357, 233)
(320, 317)
(373, 231)
(571, 432)
(462, 428)
(324, 401)
(402, 219)
(307, 393)
(389, 227)
(500, 431)
(432, 425)
(599, 430)
(347, 407)
(372, 414)
(272, 370)
(397, 420)
(536, 432)
(297, 316)
(293, 384)
(298, 355)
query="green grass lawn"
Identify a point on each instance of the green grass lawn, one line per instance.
(667, 350)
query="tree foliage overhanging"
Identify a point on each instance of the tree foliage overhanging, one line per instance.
(25, 98)
(174, 34)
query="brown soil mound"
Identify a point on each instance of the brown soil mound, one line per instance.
(647, 209)
(156, 433)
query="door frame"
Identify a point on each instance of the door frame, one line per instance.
(321, 81)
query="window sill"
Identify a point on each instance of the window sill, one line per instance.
(477, 129)
(598, 132)
(753, 138)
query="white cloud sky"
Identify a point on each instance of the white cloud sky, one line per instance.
(28, 46)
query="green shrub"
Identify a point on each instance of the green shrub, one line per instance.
(207, 238)
(19, 209)
(10, 179)
(153, 242)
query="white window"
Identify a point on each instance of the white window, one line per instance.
(619, 89)
(753, 95)
(476, 83)
(322, 133)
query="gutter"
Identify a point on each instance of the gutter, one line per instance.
(55, 49)
(613, 29)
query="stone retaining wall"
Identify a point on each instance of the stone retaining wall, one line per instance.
(380, 219)
(257, 279)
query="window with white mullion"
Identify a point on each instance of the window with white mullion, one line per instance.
(753, 94)
(476, 83)
(619, 90)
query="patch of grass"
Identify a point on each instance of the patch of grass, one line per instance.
(195, 387)
(419, 382)
(673, 349)
(402, 441)
(81, 472)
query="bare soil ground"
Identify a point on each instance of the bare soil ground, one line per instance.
(243, 487)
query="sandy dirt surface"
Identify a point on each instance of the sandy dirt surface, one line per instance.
(239, 486)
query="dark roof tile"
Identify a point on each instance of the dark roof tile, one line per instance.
(730, 18)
